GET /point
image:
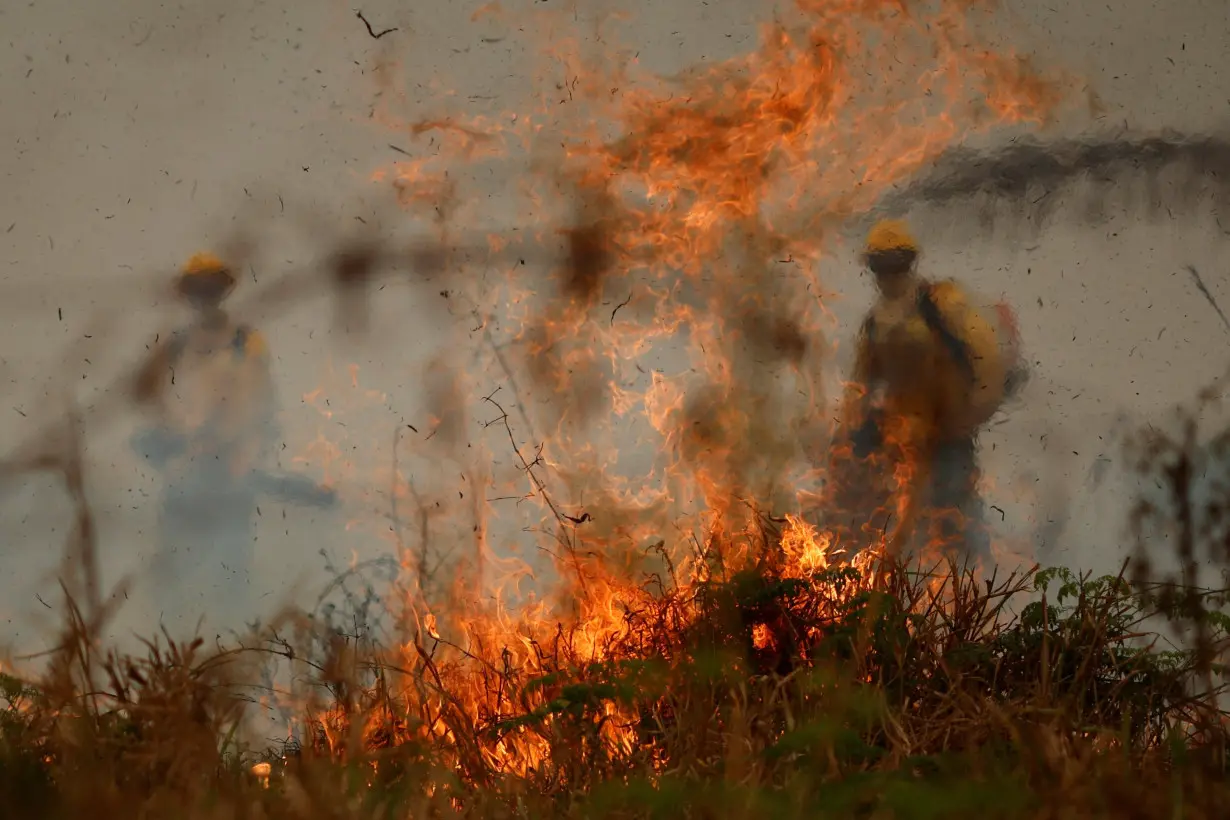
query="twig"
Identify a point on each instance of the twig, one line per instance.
(620, 305)
(1207, 295)
(372, 32)
(508, 373)
(424, 575)
(538, 484)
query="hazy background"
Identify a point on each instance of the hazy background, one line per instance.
(139, 132)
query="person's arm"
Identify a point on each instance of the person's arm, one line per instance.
(155, 440)
(153, 378)
(864, 379)
(260, 426)
(858, 422)
(264, 394)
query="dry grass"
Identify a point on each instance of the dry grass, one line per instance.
(829, 695)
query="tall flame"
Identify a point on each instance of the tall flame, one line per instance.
(686, 314)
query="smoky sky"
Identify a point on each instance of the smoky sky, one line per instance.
(1024, 182)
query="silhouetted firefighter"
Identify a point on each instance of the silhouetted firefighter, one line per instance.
(214, 433)
(931, 369)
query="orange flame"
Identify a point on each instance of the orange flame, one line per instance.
(687, 316)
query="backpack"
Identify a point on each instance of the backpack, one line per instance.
(1000, 337)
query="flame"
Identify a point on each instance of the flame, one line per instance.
(262, 772)
(342, 458)
(806, 550)
(688, 316)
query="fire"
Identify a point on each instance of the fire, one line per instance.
(341, 458)
(262, 771)
(687, 316)
(805, 549)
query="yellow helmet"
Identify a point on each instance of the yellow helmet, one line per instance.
(890, 235)
(205, 277)
(203, 263)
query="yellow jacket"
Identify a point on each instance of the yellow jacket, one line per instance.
(217, 397)
(938, 362)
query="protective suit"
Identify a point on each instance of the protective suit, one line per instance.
(213, 431)
(932, 366)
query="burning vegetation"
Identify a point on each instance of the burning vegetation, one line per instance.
(694, 644)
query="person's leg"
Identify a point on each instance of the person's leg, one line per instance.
(956, 505)
(229, 593)
(205, 553)
(232, 566)
(220, 550)
(183, 538)
(859, 496)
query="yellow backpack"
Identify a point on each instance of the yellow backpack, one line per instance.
(983, 344)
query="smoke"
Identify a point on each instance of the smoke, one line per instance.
(1024, 183)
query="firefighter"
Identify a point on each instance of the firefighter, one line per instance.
(214, 428)
(931, 368)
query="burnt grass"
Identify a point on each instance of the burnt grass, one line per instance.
(870, 689)
(760, 695)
